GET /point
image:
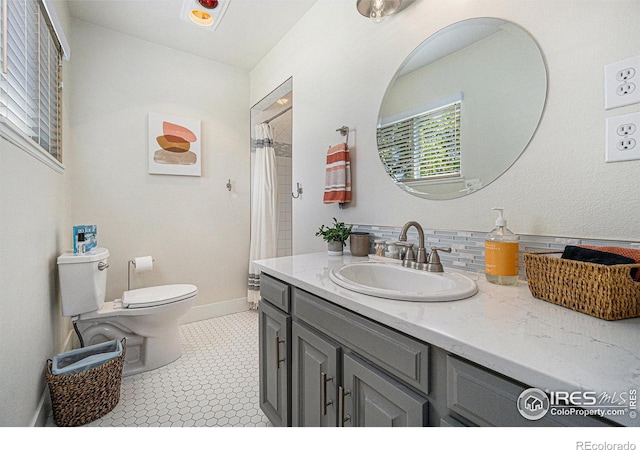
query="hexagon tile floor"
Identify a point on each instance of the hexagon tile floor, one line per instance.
(213, 384)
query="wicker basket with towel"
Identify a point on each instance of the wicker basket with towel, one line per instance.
(603, 288)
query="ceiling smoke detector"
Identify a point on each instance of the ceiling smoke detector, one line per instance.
(204, 13)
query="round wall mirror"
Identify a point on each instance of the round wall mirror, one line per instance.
(461, 108)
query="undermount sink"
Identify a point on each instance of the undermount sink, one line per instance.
(395, 282)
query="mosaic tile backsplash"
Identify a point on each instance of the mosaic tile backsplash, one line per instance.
(468, 246)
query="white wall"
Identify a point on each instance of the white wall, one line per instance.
(195, 229)
(341, 64)
(32, 235)
(32, 211)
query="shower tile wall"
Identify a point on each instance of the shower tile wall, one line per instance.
(284, 198)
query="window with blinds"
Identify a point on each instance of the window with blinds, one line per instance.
(30, 82)
(423, 147)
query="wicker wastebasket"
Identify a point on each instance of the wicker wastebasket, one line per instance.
(80, 398)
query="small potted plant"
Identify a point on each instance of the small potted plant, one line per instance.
(336, 236)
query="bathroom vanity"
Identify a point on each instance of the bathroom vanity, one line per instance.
(333, 357)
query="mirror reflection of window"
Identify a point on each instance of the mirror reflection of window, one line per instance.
(423, 145)
(500, 69)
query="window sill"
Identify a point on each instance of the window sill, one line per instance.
(12, 134)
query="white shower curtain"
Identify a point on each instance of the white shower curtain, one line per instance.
(264, 213)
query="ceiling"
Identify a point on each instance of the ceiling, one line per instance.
(246, 33)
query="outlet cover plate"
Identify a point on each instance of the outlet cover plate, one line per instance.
(623, 138)
(622, 83)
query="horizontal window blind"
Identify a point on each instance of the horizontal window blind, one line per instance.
(31, 74)
(423, 147)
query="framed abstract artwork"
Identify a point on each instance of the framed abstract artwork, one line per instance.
(174, 145)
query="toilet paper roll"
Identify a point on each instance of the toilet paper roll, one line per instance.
(143, 264)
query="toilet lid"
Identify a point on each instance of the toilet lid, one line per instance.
(157, 295)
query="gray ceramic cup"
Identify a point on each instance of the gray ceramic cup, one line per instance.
(359, 243)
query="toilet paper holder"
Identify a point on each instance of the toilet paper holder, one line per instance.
(131, 262)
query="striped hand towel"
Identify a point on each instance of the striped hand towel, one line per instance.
(338, 175)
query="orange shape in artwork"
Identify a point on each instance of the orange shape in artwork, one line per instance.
(171, 129)
(173, 143)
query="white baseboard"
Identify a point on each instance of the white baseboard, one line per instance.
(211, 310)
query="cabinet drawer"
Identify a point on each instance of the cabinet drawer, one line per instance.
(275, 291)
(396, 353)
(489, 399)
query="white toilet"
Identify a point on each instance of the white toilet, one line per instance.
(147, 317)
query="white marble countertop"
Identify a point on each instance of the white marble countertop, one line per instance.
(503, 328)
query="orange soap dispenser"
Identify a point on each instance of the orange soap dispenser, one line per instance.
(501, 253)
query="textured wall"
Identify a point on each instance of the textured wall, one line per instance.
(341, 64)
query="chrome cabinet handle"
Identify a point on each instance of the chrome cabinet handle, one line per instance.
(278, 360)
(102, 266)
(323, 393)
(341, 395)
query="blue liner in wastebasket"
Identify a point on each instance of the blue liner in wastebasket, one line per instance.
(85, 358)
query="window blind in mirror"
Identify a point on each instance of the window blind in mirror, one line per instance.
(425, 146)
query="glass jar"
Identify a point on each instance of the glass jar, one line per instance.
(392, 250)
(379, 247)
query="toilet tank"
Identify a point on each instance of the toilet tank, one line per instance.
(83, 281)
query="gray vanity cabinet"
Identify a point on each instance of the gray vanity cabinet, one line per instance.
(371, 398)
(486, 398)
(322, 365)
(351, 371)
(274, 353)
(316, 375)
(333, 389)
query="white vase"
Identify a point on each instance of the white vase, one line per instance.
(334, 248)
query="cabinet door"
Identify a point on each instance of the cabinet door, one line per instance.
(370, 398)
(274, 359)
(315, 378)
(490, 399)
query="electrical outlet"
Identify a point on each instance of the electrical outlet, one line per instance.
(626, 129)
(626, 144)
(621, 83)
(623, 134)
(625, 88)
(625, 74)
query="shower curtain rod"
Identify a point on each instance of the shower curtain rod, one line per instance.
(279, 114)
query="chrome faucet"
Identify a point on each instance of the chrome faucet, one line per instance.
(420, 260)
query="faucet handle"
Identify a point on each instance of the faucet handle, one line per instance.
(410, 256)
(434, 257)
(433, 261)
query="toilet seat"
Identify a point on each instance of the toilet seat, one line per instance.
(157, 295)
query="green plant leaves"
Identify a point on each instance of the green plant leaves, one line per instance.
(338, 232)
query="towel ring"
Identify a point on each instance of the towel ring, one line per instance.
(344, 130)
